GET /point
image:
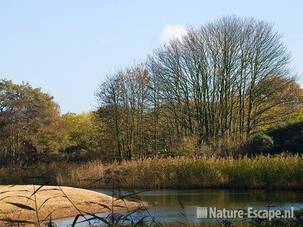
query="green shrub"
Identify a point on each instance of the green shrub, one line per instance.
(259, 143)
(288, 138)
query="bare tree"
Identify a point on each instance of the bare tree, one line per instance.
(219, 84)
(218, 73)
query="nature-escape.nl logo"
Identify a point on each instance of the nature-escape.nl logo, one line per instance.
(249, 212)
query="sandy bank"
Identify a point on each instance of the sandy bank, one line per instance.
(20, 203)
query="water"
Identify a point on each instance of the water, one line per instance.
(175, 206)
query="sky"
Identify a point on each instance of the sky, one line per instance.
(69, 47)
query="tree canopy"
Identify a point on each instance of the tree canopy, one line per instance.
(214, 88)
(29, 121)
(222, 85)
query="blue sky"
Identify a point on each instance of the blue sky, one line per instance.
(68, 47)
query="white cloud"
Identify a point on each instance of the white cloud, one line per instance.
(171, 32)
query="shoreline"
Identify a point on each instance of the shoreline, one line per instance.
(105, 188)
(136, 189)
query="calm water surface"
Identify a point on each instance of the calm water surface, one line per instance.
(179, 206)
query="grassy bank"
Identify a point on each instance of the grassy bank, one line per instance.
(264, 172)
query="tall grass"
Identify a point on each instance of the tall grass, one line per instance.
(264, 172)
(270, 172)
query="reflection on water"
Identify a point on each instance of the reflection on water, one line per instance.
(172, 206)
(169, 199)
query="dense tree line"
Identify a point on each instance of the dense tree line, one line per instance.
(214, 88)
(29, 121)
(210, 92)
(32, 129)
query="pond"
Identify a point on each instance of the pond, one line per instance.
(180, 206)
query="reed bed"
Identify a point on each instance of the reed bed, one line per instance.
(261, 172)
